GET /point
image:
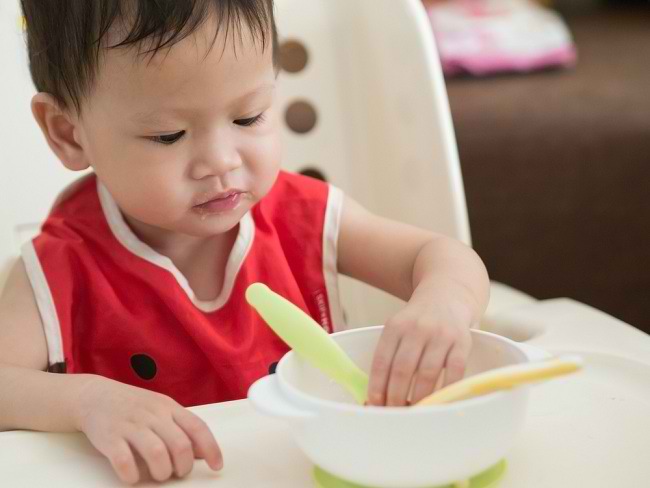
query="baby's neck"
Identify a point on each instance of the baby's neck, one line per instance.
(192, 256)
(204, 263)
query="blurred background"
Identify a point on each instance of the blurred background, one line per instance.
(556, 159)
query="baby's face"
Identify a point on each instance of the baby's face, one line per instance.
(191, 125)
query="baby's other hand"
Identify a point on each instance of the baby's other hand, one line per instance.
(123, 421)
(417, 344)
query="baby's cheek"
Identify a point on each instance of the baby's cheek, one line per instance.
(264, 170)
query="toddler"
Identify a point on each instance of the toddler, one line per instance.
(135, 286)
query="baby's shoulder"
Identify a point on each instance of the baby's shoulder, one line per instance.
(82, 184)
(75, 215)
(295, 189)
(77, 200)
(297, 205)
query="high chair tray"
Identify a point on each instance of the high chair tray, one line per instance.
(586, 430)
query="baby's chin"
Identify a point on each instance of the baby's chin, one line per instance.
(211, 225)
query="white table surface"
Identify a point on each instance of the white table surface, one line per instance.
(585, 431)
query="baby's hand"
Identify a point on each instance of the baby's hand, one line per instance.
(123, 421)
(416, 345)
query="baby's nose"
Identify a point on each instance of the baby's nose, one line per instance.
(218, 160)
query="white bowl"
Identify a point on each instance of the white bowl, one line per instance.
(397, 447)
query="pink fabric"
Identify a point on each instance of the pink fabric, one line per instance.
(490, 36)
(484, 64)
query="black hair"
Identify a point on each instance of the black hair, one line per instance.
(65, 37)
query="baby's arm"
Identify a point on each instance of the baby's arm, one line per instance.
(445, 284)
(33, 399)
(118, 419)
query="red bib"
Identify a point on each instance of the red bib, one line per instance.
(112, 306)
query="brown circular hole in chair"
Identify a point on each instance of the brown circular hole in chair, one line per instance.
(314, 173)
(301, 117)
(293, 56)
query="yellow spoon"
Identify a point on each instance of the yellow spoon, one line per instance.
(504, 378)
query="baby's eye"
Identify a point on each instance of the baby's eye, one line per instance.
(252, 121)
(168, 138)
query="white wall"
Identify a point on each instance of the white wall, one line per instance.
(30, 175)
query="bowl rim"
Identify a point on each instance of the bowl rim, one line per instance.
(320, 404)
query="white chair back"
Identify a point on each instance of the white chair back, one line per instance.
(383, 131)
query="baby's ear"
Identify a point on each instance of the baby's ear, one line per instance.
(60, 128)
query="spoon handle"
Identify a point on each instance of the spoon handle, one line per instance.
(503, 379)
(305, 336)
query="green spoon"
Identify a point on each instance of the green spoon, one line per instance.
(307, 338)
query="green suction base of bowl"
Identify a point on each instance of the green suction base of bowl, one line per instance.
(486, 479)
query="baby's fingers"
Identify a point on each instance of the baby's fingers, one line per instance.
(121, 458)
(178, 444)
(204, 443)
(429, 369)
(403, 369)
(457, 360)
(381, 365)
(154, 452)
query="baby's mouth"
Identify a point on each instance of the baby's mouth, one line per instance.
(220, 202)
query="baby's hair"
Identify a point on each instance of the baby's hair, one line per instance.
(65, 38)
